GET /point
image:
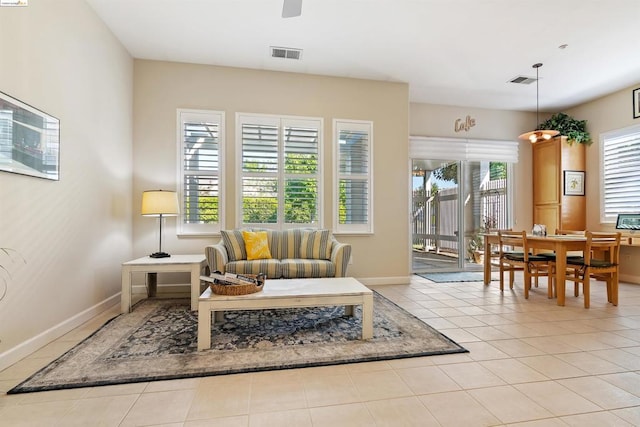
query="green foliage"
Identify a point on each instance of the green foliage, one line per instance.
(574, 130)
(300, 201)
(447, 173)
(497, 170)
(260, 210)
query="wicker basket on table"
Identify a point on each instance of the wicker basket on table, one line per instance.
(221, 286)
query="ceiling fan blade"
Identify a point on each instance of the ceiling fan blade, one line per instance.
(291, 8)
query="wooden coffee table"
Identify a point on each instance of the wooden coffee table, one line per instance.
(286, 293)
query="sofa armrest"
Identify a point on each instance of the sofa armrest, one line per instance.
(340, 256)
(217, 257)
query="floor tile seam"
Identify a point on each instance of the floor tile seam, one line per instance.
(557, 382)
(623, 391)
(76, 403)
(414, 393)
(462, 387)
(551, 378)
(507, 422)
(414, 396)
(519, 382)
(309, 405)
(625, 368)
(601, 376)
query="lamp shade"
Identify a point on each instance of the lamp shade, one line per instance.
(159, 202)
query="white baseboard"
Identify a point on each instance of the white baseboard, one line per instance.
(29, 346)
(375, 281)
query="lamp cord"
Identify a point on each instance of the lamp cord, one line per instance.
(537, 98)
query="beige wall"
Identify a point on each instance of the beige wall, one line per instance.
(162, 87)
(438, 121)
(605, 114)
(73, 233)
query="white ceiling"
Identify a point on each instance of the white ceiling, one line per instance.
(451, 52)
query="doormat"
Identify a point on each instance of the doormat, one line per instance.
(158, 341)
(458, 276)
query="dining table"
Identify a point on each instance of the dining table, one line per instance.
(560, 244)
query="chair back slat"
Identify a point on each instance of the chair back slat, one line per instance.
(607, 243)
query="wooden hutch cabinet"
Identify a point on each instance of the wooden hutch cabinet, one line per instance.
(551, 206)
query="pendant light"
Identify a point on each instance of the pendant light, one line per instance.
(538, 134)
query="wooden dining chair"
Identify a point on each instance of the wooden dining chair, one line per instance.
(494, 251)
(601, 261)
(515, 255)
(551, 256)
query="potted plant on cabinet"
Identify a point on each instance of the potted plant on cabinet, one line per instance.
(574, 130)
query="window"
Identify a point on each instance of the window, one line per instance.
(620, 154)
(280, 178)
(353, 153)
(200, 168)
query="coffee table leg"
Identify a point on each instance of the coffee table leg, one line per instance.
(367, 317)
(348, 310)
(125, 296)
(204, 327)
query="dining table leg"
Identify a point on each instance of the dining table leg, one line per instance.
(487, 260)
(561, 268)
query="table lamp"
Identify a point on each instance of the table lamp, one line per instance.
(159, 203)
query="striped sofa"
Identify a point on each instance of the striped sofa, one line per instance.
(295, 253)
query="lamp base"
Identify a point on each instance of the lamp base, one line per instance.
(159, 255)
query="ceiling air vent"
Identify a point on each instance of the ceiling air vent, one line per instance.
(286, 53)
(523, 80)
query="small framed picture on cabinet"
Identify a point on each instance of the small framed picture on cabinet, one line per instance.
(574, 183)
(636, 103)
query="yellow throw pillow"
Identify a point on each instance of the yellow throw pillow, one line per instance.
(257, 244)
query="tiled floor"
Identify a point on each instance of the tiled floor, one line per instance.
(530, 363)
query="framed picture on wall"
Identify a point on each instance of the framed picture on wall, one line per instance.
(574, 183)
(636, 103)
(29, 140)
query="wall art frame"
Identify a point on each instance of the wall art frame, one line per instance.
(29, 140)
(574, 183)
(636, 103)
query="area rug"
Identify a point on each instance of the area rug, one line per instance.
(158, 341)
(459, 276)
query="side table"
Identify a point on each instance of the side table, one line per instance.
(194, 264)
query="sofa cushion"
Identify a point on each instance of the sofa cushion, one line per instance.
(256, 245)
(270, 267)
(306, 268)
(290, 243)
(234, 243)
(315, 244)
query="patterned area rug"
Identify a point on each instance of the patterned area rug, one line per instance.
(157, 341)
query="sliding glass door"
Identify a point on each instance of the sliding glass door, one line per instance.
(453, 203)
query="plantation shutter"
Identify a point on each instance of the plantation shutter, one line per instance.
(621, 173)
(200, 158)
(301, 174)
(280, 167)
(260, 172)
(354, 172)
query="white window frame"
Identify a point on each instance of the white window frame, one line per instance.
(280, 122)
(218, 117)
(354, 125)
(611, 217)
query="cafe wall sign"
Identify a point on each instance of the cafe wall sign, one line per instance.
(464, 125)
